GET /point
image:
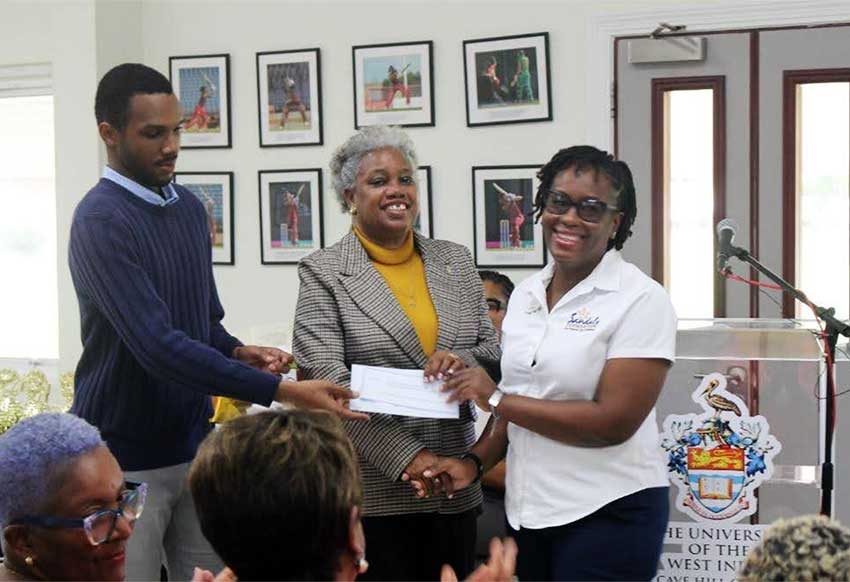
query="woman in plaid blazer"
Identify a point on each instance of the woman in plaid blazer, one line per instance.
(386, 296)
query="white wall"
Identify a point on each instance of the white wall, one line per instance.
(83, 38)
(253, 293)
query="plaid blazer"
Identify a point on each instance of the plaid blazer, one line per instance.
(346, 314)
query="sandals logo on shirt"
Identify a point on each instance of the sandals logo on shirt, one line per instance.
(582, 320)
(720, 457)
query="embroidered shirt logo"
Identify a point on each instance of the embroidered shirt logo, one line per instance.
(582, 320)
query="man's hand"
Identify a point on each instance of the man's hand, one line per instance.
(470, 384)
(321, 395)
(263, 358)
(442, 365)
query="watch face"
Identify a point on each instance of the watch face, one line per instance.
(495, 398)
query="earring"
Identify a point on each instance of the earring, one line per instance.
(361, 564)
(29, 561)
(352, 210)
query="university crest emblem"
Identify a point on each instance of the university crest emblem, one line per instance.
(718, 458)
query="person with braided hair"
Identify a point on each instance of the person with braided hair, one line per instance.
(586, 346)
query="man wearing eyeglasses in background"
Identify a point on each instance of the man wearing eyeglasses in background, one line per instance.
(497, 291)
(491, 523)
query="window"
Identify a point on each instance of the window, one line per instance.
(688, 194)
(28, 293)
(823, 198)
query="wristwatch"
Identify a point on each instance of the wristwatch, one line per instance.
(479, 465)
(494, 400)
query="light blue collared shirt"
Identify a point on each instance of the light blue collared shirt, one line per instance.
(142, 192)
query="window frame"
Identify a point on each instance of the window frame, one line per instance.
(790, 80)
(661, 86)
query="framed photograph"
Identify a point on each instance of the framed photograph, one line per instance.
(425, 221)
(289, 98)
(394, 84)
(507, 79)
(215, 191)
(290, 215)
(505, 232)
(202, 83)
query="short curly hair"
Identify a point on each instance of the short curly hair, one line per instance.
(809, 547)
(33, 453)
(345, 162)
(274, 493)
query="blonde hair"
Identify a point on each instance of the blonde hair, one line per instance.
(274, 493)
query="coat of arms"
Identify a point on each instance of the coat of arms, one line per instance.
(720, 457)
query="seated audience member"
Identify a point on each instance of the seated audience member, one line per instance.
(809, 547)
(65, 510)
(278, 496)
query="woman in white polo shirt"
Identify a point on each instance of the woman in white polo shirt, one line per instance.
(587, 343)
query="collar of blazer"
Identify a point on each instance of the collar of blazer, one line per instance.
(370, 292)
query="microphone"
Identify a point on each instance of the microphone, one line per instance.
(726, 230)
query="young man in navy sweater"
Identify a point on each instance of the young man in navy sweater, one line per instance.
(154, 348)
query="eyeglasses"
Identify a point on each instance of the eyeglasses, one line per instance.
(495, 304)
(589, 209)
(100, 525)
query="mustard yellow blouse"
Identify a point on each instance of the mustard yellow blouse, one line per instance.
(404, 272)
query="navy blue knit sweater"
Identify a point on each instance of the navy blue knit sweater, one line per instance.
(154, 349)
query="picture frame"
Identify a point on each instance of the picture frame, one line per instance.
(202, 84)
(507, 79)
(289, 97)
(504, 230)
(424, 223)
(215, 191)
(393, 84)
(291, 225)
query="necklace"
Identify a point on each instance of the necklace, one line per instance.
(411, 286)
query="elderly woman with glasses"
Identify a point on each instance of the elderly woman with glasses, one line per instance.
(65, 510)
(587, 343)
(387, 296)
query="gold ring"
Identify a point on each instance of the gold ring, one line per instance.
(454, 355)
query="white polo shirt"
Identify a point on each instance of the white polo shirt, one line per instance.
(616, 312)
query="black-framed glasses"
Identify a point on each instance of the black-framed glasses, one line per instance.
(494, 304)
(100, 525)
(589, 209)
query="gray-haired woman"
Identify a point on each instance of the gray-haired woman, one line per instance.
(65, 509)
(387, 296)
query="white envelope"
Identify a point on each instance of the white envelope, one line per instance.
(399, 392)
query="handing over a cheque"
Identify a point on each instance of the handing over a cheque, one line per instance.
(400, 392)
(386, 297)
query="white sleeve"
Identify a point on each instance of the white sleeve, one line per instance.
(647, 328)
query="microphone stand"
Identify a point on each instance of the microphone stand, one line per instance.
(833, 328)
